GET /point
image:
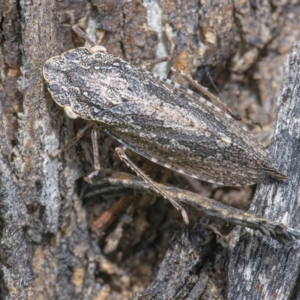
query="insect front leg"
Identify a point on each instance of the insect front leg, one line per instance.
(121, 153)
(156, 61)
(83, 35)
(97, 166)
(72, 142)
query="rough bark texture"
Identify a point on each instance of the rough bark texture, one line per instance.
(64, 239)
(275, 265)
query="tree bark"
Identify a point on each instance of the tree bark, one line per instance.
(64, 239)
(275, 266)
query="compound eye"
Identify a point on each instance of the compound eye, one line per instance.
(54, 88)
(70, 112)
(97, 48)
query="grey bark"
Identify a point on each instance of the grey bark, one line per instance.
(274, 267)
(50, 242)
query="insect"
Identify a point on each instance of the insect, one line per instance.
(156, 118)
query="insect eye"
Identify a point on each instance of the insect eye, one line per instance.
(54, 88)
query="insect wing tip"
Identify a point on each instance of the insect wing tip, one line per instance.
(274, 173)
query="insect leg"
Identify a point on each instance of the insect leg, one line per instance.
(83, 35)
(121, 152)
(97, 166)
(156, 61)
(73, 141)
(204, 91)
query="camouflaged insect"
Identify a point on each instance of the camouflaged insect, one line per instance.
(157, 118)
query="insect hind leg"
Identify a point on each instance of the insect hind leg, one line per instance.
(204, 91)
(121, 153)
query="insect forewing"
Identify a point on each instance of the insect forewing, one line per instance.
(157, 118)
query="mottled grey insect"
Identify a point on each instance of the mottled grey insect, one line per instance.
(156, 118)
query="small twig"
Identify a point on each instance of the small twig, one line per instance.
(108, 217)
(209, 206)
